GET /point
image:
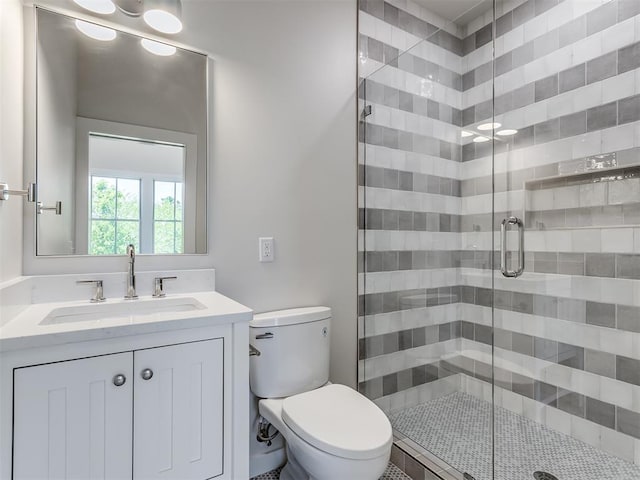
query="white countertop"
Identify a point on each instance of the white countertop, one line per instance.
(25, 330)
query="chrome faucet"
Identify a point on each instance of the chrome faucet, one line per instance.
(131, 273)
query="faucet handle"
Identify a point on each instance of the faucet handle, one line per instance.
(158, 286)
(98, 297)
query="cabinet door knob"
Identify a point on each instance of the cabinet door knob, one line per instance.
(146, 374)
(119, 380)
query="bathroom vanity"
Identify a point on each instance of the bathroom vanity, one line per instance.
(146, 387)
(150, 388)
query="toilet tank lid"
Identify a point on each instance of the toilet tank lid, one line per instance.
(291, 316)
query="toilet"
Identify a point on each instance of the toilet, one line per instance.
(330, 430)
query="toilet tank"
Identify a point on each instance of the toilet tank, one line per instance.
(294, 351)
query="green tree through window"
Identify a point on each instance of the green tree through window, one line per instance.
(167, 218)
(115, 215)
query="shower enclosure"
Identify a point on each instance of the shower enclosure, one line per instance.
(499, 241)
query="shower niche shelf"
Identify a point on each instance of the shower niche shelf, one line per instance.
(602, 198)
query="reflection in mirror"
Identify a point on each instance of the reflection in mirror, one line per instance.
(131, 202)
(121, 141)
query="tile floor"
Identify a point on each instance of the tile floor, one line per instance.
(391, 473)
(457, 429)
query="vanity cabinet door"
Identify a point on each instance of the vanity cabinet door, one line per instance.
(178, 411)
(72, 419)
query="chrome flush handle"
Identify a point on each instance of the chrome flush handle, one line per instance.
(264, 336)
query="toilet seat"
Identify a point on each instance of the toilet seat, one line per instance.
(338, 420)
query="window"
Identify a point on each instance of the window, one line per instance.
(136, 196)
(116, 212)
(167, 217)
(115, 215)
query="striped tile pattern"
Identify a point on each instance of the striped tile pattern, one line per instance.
(566, 334)
(596, 410)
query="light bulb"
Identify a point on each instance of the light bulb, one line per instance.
(489, 126)
(162, 21)
(104, 7)
(481, 139)
(97, 32)
(157, 48)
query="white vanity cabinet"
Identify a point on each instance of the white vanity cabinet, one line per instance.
(71, 421)
(178, 411)
(142, 396)
(155, 413)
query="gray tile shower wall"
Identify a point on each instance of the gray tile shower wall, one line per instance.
(567, 334)
(604, 413)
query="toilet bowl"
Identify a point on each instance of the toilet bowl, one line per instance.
(331, 431)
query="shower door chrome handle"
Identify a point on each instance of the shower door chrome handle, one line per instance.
(503, 247)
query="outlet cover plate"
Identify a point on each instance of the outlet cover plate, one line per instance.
(266, 252)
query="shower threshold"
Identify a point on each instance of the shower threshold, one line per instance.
(456, 429)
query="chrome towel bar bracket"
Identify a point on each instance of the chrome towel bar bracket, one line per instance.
(29, 193)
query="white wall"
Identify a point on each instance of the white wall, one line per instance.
(282, 160)
(11, 116)
(284, 155)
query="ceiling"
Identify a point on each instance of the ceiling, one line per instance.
(460, 12)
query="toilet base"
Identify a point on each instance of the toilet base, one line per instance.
(292, 470)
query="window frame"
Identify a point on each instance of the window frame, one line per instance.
(85, 127)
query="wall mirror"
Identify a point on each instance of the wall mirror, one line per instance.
(121, 142)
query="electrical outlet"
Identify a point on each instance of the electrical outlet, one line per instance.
(265, 249)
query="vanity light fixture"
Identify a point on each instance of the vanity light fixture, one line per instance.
(507, 132)
(489, 126)
(133, 8)
(103, 7)
(163, 15)
(158, 48)
(481, 139)
(97, 32)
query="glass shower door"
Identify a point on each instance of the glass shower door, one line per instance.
(566, 321)
(412, 241)
(499, 276)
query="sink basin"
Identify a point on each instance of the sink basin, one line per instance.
(121, 309)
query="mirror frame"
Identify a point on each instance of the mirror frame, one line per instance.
(34, 263)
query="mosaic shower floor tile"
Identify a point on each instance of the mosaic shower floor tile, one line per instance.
(457, 429)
